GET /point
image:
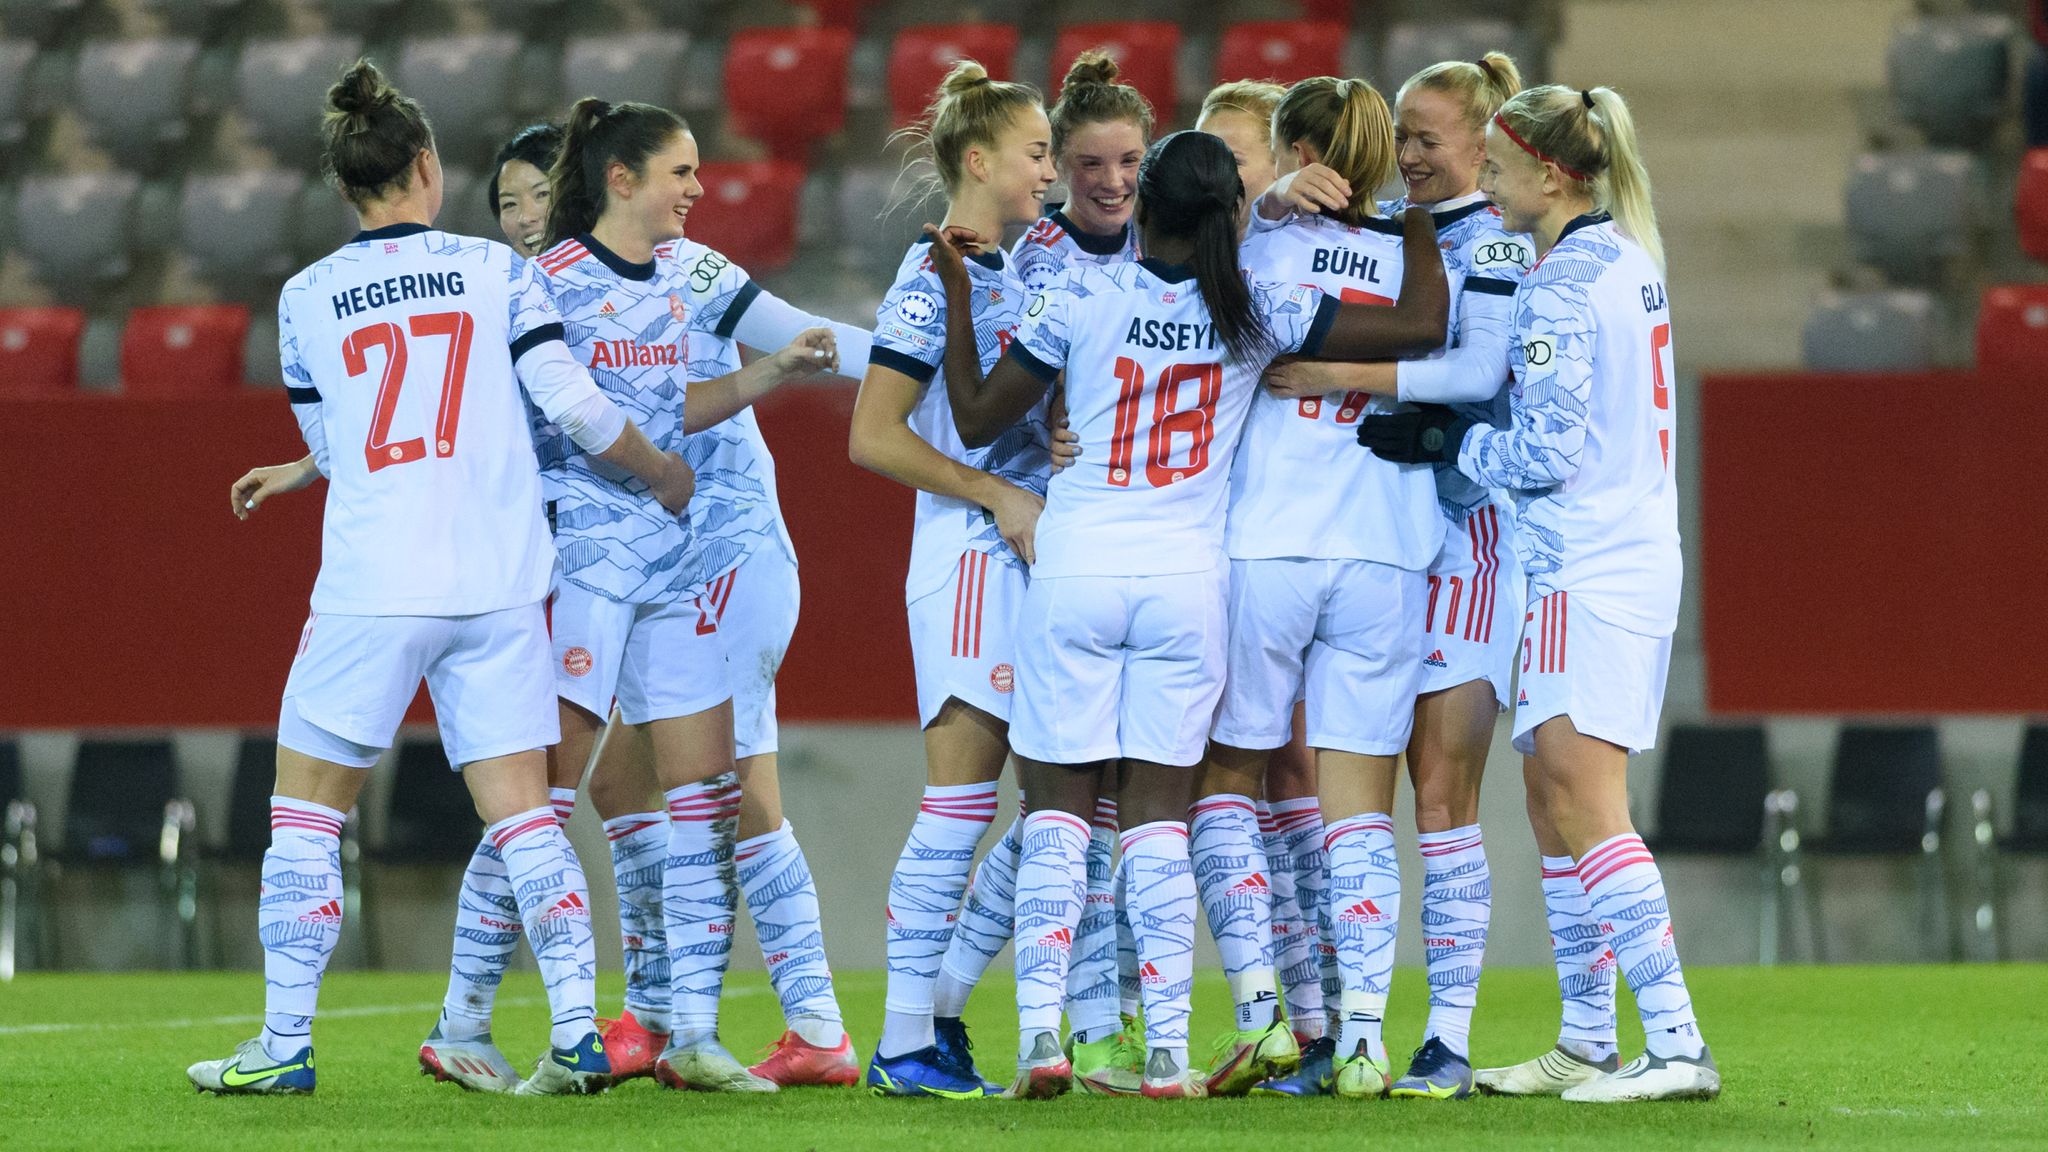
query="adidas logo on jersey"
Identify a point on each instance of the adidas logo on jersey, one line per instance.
(1061, 938)
(1252, 885)
(627, 354)
(1436, 659)
(1363, 912)
(328, 913)
(606, 309)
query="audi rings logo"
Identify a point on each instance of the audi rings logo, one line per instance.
(1497, 253)
(1538, 351)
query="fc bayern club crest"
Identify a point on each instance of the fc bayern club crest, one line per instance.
(677, 309)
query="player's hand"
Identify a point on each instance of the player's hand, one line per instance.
(1312, 189)
(1431, 434)
(260, 484)
(814, 351)
(1292, 379)
(677, 483)
(1066, 443)
(1016, 512)
(950, 249)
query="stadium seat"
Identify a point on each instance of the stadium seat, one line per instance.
(1710, 795)
(466, 209)
(837, 13)
(1885, 789)
(1949, 74)
(2030, 204)
(249, 791)
(238, 225)
(1909, 213)
(183, 350)
(17, 60)
(2030, 793)
(873, 229)
(466, 83)
(748, 212)
(432, 818)
(134, 92)
(643, 66)
(786, 87)
(1280, 50)
(1892, 331)
(75, 228)
(2012, 330)
(1146, 51)
(119, 792)
(1336, 12)
(1411, 47)
(280, 84)
(39, 351)
(921, 56)
(325, 221)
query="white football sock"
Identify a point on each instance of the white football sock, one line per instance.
(783, 899)
(298, 918)
(1627, 894)
(554, 905)
(639, 844)
(698, 902)
(1092, 994)
(924, 899)
(1052, 883)
(1585, 965)
(1457, 901)
(1160, 884)
(1231, 873)
(1365, 902)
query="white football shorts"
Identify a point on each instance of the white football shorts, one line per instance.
(963, 638)
(755, 606)
(1339, 634)
(1120, 666)
(354, 677)
(658, 661)
(1609, 680)
(1475, 597)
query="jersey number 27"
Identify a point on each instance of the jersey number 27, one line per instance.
(458, 327)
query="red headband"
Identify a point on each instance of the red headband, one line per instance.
(1563, 167)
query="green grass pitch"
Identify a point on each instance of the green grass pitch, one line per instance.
(1866, 1058)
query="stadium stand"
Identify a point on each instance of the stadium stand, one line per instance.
(1888, 331)
(748, 212)
(921, 55)
(1281, 50)
(74, 228)
(279, 84)
(135, 92)
(1413, 46)
(786, 87)
(2030, 204)
(1147, 52)
(238, 225)
(466, 83)
(643, 66)
(171, 350)
(1910, 212)
(1950, 74)
(2012, 328)
(39, 350)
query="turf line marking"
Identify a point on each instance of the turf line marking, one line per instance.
(257, 1018)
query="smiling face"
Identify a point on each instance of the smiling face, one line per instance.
(654, 203)
(1251, 143)
(1520, 185)
(523, 206)
(1100, 163)
(1439, 152)
(1018, 166)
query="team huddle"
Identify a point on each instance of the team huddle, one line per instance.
(1232, 486)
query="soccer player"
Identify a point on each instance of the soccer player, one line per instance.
(1588, 454)
(400, 354)
(1326, 599)
(991, 145)
(1241, 113)
(1474, 591)
(1099, 131)
(629, 622)
(518, 188)
(1121, 633)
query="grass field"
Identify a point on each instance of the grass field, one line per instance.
(1833, 1057)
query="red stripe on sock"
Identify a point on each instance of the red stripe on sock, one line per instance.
(501, 838)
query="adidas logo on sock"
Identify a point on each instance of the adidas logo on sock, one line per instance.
(570, 905)
(1061, 938)
(1147, 974)
(1252, 885)
(328, 913)
(1436, 659)
(1363, 912)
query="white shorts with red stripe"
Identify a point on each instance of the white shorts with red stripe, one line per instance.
(354, 677)
(1609, 680)
(755, 606)
(1475, 597)
(1339, 634)
(658, 661)
(1120, 666)
(963, 637)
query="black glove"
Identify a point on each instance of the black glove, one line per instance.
(1429, 435)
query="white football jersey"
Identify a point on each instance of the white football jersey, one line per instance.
(1301, 485)
(910, 337)
(1588, 458)
(1043, 255)
(1158, 406)
(400, 345)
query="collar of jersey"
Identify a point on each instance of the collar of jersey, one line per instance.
(1171, 273)
(1452, 211)
(1587, 221)
(1090, 242)
(391, 232)
(616, 262)
(991, 259)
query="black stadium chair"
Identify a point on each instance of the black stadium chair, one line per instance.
(124, 815)
(1710, 798)
(2030, 794)
(431, 819)
(21, 920)
(1887, 801)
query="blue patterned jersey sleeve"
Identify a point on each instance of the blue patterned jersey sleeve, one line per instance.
(720, 292)
(1297, 316)
(910, 326)
(298, 382)
(531, 317)
(1046, 334)
(1553, 360)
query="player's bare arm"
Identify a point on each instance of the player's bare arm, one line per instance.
(1412, 327)
(815, 351)
(1292, 379)
(981, 411)
(260, 484)
(668, 478)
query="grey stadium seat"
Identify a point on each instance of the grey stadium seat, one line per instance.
(325, 221)
(1411, 47)
(1950, 74)
(280, 85)
(17, 60)
(464, 210)
(1892, 331)
(75, 228)
(465, 84)
(238, 225)
(134, 92)
(874, 239)
(1909, 212)
(643, 66)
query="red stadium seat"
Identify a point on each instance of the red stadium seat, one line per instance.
(1336, 12)
(1147, 52)
(174, 350)
(2012, 329)
(923, 55)
(836, 13)
(1280, 50)
(787, 86)
(2031, 204)
(748, 212)
(39, 351)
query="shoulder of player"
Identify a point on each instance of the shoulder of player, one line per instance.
(564, 255)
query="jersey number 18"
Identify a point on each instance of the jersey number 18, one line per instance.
(1168, 420)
